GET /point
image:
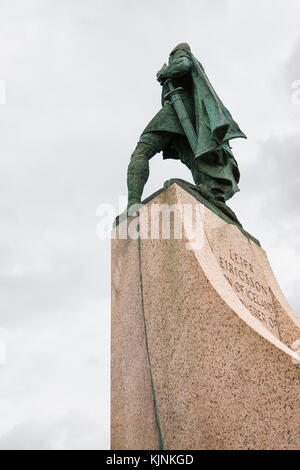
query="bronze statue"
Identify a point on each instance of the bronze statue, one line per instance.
(193, 126)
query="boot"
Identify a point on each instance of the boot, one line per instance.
(137, 176)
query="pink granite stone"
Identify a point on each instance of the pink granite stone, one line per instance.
(218, 333)
(133, 424)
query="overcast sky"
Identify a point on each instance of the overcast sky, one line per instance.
(80, 88)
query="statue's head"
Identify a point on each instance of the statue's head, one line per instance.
(182, 46)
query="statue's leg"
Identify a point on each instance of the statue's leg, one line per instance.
(220, 180)
(138, 169)
(137, 173)
(220, 189)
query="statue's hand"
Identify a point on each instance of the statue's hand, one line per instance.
(161, 74)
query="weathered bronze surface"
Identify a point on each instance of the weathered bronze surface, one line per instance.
(193, 126)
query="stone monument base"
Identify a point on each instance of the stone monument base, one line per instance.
(203, 339)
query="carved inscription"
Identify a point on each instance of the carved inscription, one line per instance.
(250, 287)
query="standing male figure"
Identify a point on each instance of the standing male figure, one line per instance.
(211, 162)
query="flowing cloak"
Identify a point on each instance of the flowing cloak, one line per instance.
(212, 121)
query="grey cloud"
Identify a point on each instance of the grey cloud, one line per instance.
(275, 175)
(292, 65)
(70, 432)
(80, 89)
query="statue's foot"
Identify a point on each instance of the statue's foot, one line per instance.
(133, 202)
(218, 201)
(131, 209)
(227, 211)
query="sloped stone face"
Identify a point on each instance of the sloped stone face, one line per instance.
(243, 271)
(217, 332)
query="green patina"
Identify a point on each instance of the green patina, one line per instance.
(193, 126)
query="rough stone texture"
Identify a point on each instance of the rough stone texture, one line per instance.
(219, 347)
(133, 424)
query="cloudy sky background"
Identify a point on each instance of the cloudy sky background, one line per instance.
(80, 88)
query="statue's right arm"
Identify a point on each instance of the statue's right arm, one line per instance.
(178, 68)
